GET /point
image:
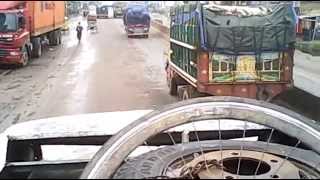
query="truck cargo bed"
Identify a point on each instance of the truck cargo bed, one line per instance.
(46, 16)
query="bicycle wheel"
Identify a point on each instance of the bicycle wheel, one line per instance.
(219, 159)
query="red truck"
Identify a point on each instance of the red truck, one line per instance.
(24, 25)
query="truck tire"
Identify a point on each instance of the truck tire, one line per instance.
(152, 164)
(51, 38)
(186, 92)
(59, 37)
(173, 86)
(25, 57)
(37, 48)
(115, 151)
(54, 38)
(263, 95)
(183, 93)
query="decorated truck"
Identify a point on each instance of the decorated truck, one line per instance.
(24, 25)
(230, 50)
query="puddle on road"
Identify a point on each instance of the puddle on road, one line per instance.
(78, 76)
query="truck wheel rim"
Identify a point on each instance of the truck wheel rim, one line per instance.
(164, 163)
(25, 58)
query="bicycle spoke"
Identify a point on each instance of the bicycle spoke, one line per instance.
(243, 136)
(287, 157)
(262, 156)
(220, 146)
(201, 149)
(174, 143)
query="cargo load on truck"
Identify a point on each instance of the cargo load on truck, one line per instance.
(136, 20)
(232, 50)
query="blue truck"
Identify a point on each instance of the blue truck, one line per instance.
(136, 20)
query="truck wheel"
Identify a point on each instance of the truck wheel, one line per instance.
(59, 37)
(54, 38)
(155, 163)
(37, 48)
(187, 92)
(184, 93)
(173, 87)
(25, 57)
(263, 95)
(51, 38)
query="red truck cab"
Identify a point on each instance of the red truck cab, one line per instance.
(24, 25)
(15, 43)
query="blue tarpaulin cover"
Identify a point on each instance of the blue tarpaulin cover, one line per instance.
(136, 14)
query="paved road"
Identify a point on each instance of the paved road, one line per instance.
(105, 72)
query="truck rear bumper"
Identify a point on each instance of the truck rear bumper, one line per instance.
(137, 34)
(248, 90)
(254, 90)
(140, 30)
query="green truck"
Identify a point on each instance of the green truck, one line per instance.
(230, 50)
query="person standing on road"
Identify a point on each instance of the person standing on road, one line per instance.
(79, 31)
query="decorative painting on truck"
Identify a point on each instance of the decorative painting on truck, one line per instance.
(270, 66)
(245, 68)
(222, 67)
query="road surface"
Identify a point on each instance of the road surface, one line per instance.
(105, 72)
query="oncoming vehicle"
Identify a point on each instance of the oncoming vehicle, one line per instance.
(85, 10)
(92, 18)
(136, 20)
(118, 12)
(102, 11)
(203, 138)
(119, 8)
